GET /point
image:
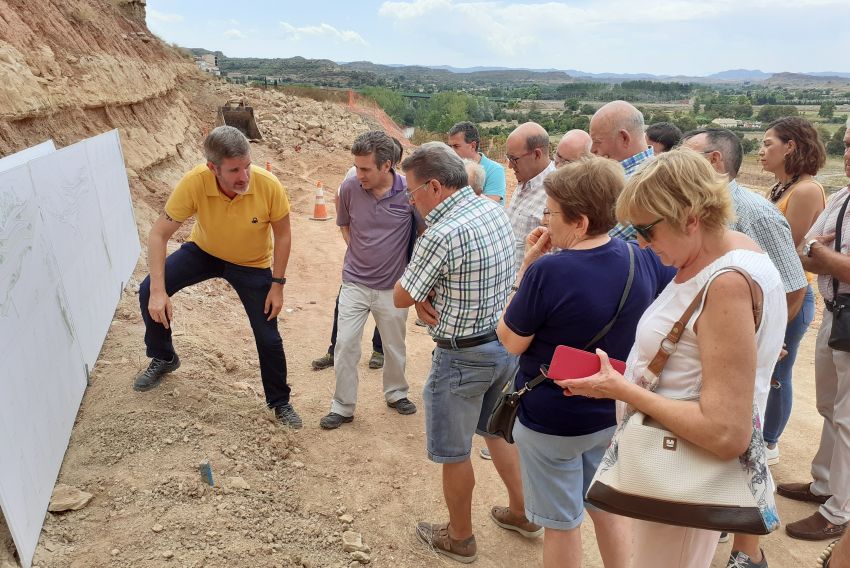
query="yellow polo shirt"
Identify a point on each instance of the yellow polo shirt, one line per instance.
(237, 230)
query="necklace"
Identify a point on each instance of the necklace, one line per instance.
(779, 189)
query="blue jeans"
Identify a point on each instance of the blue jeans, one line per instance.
(781, 392)
(460, 393)
(189, 265)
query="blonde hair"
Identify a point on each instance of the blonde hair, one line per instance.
(673, 186)
(588, 187)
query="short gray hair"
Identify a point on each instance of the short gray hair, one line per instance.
(476, 175)
(385, 150)
(436, 160)
(537, 141)
(225, 142)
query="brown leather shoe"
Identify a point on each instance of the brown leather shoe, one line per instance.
(815, 527)
(801, 492)
(437, 537)
(505, 518)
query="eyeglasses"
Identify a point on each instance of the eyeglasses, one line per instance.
(410, 193)
(514, 159)
(560, 160)
(645, 231)
(547, 213)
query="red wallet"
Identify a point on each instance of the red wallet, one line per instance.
(572, 363)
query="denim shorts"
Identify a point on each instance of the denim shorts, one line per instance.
(462, 389)
(556, 473)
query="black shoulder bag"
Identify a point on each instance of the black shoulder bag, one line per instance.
(501, 421)
(839, 334)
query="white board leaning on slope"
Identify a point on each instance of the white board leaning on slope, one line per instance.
(68, 243)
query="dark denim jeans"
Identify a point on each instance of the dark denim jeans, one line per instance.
(781, 395)
(377, 345)
(189, 265)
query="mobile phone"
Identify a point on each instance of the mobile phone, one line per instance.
(571, 363)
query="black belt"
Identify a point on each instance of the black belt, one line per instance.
(463, 342)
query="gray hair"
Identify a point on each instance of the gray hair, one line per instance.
(476, 174)
(378, 142)
(537, 141)
(436, 160)
(724, 141)
(225, 142)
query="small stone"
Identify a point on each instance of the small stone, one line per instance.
(114, 552)
(167, 554)
(361, 557)
(168, 441)
(68, 498)
(238, 483)
(347, 519)
(297, 464)
(157, 528)
(353, 542)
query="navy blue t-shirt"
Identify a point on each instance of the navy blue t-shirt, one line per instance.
(566, 298)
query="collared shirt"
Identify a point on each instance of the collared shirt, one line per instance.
(825, 225)
(630, 165)
(494, 178)
(379, 233)
(467, 257)
(525, 210)
(759, 219)
(237, 230)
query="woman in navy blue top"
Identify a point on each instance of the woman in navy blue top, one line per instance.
(566, 298)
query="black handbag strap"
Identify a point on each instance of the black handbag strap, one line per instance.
(839, 222)
(629, 279)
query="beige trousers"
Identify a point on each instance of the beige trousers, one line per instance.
(666, 546)
(831, 464)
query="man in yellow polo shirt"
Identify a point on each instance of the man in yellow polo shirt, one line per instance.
(238, 208)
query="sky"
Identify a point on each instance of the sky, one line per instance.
(664, 37)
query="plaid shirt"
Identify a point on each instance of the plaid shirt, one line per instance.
(467, 257)
(759, 219)
(825, 225)
(525, 210)
(627, 232)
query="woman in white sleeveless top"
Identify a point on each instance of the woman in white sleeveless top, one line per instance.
(723, 363)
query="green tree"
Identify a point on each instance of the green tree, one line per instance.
(572, 104)
(750, 145)
(685, 122)
(835, 146)
(769, 113)
(827, 109)
(587, 109)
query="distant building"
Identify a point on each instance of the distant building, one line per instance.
(726, 122)
(208, 63)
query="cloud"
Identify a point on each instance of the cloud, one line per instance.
(233, 33)
(322, 30)
(158, 16)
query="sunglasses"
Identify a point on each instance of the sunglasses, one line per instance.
(645, 231)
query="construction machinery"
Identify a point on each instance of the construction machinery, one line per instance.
(235, 113)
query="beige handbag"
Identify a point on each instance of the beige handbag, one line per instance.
(652, 474)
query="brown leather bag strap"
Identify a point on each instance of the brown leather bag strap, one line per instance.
(668, 344)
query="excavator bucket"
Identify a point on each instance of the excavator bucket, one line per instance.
(236, 114)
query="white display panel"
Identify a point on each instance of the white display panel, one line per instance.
(68, 243)
(113, 192)
(43, 377)
(24, 156)
(69, 204)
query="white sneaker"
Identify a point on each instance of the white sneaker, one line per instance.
(771, 454)
(485, 453)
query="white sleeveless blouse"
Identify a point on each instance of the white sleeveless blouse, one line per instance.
(681, 378)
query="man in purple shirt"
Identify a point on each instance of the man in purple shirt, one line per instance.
(377, 221)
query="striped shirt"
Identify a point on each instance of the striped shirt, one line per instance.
(760, 220)
(825, 225)
(525, 210)
(630, 165)
(467, 257)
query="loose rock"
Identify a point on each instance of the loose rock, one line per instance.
(68, 498)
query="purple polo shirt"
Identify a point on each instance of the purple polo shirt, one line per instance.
(380, 233)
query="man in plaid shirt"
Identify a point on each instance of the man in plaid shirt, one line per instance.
(459, 278)
(616, 132)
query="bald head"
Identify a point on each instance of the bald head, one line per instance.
(527, 148)
(574, 146)
(616, 130)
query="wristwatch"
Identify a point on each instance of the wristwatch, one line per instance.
(279, 280)
(807, 248)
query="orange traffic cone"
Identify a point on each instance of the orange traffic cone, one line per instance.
(320, 210)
